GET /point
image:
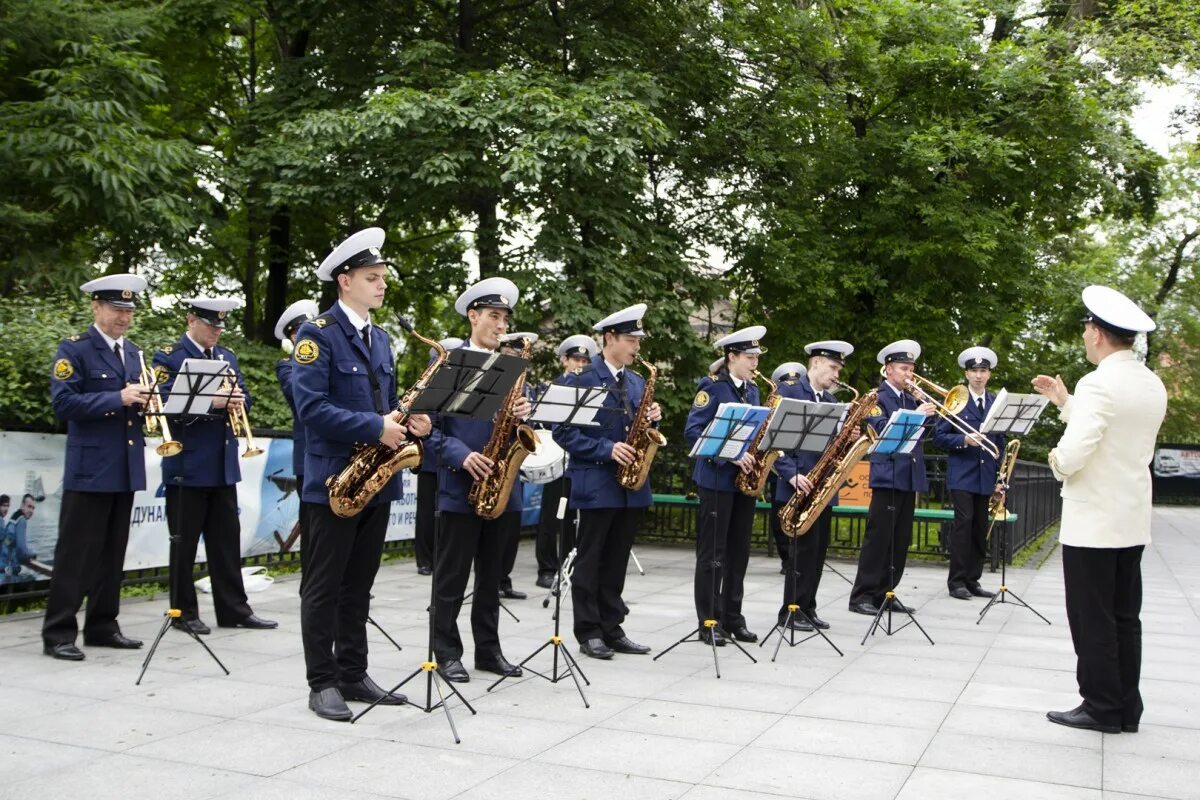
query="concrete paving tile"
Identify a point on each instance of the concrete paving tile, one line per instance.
(1154, 741)
(875, 709)
(536, 779)
(1013, 758)
(115, 726)
(223, 696)
(734, 690)
(938, 784)
(1018, 725)
(862, 740)
(692, 721)
(648, 755)
(1157, 776)
(23, 757)
(119, 776)
(766, 770)
(494, 734)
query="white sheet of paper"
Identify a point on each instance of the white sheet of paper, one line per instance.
(558, 401)
(198, 378)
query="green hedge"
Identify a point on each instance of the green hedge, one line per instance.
(31, 329)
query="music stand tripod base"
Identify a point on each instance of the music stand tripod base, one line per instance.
(710, 625)
(889, 600)
(1004, 591)
(169, 618)
(788, 634)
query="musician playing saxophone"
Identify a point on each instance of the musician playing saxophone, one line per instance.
(970, 476)
(344, 386)
(467, 538)
(825, 361)
(726, 514)
(609, 513)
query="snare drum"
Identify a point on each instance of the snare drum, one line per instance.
(545, 464)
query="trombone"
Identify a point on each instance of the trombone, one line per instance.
(953, 401)
(153, 413)
(239, 421)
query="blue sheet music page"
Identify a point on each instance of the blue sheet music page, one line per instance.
(902, 432)
(730, 432)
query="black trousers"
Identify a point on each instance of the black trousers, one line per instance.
(1104, 599)
(605, 540)
(723, 535)
(343, 557)
(547, 532)
(427, 489)
(511, 539)
(800, 586)
(968, 539)
(783, 542)
(468, 540)
(890, 511)
(211, 511)
(89, 561)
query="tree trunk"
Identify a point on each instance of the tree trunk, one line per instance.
(279, 261)
(487, 233)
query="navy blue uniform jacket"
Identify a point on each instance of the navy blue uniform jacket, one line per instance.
(710, 473)
(592, 471)
(969, 469)
(283, 373)
(789, 465)
(104, 438)
(904, 472)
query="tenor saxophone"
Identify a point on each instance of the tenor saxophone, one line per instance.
(998, 502)
(801, 511)
(751, 483)
(643, 437)
(373, 465)
(510, 442)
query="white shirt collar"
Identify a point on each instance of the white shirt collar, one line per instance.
(470, 345)
(975, 398)
(615, 370)
(899, 392)
(108, 340)
(737, 382)
(355, 320)
(197, 344)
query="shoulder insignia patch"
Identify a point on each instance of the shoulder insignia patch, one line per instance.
(702, 399)
(320, 322)
(877, 411)
(63, 369)
(167, 350)
(161, 375)
(306, 351)
(75, 338)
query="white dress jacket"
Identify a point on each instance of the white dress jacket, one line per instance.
(1103, 457)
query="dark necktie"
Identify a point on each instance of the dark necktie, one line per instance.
(120, 354)
(208, 353)
(979, 402)
(365, 333)
(623, 393)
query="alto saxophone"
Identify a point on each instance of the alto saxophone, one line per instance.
(801, 511)
(751, 483)
(373, 465)
(643, 437)
(489, 495)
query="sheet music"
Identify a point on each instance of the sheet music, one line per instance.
(558, 403)
(804, 425)
(194, 387)
(729, 434)
(1014, 413)
(902, 432)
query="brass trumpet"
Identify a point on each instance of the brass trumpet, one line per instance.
(953, 401)
(239, 421)
(155, 418)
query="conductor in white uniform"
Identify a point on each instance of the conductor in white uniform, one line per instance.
(1103, 460)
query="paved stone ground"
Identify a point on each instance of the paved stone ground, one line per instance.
(894, 719)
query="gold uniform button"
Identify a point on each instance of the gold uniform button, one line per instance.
(131, 442)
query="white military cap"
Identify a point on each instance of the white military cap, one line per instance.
(1110, 309)
(744, 341)
(835, 349)
(975, 357)
(903, 351)
(294, 316)
(488, 293)
(715, 367)
(519, 339)
(627, 321)
(359, 250)
(213, 310)
(449, 343)
(116, 290)
(789, 371)
(578, 346)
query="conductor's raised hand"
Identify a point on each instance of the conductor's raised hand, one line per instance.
(1052, 389)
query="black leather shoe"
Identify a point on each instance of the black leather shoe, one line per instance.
(544, 581)
(424, 570)
(979, 591)
(328, 704)
(744, 634)
(63, 651)
(453, 670)
(1078, 718)
(117, 640)
(193, 625)
(959, 593)
(864, 608)
(798, 624)
(712, 636)
(368, 691)
(817, 621)
(627, 645)
(512, 594)
(596, 648)
(900, 608)
(499, 665)
(1129, 727)
(255, 622)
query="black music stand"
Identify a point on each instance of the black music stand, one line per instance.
(191, 398)
(562, 405)
(473, 385)
(723, 439)
(899, 436)
(802, 426)
(1014, 415)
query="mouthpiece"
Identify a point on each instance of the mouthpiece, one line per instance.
(562, 508)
